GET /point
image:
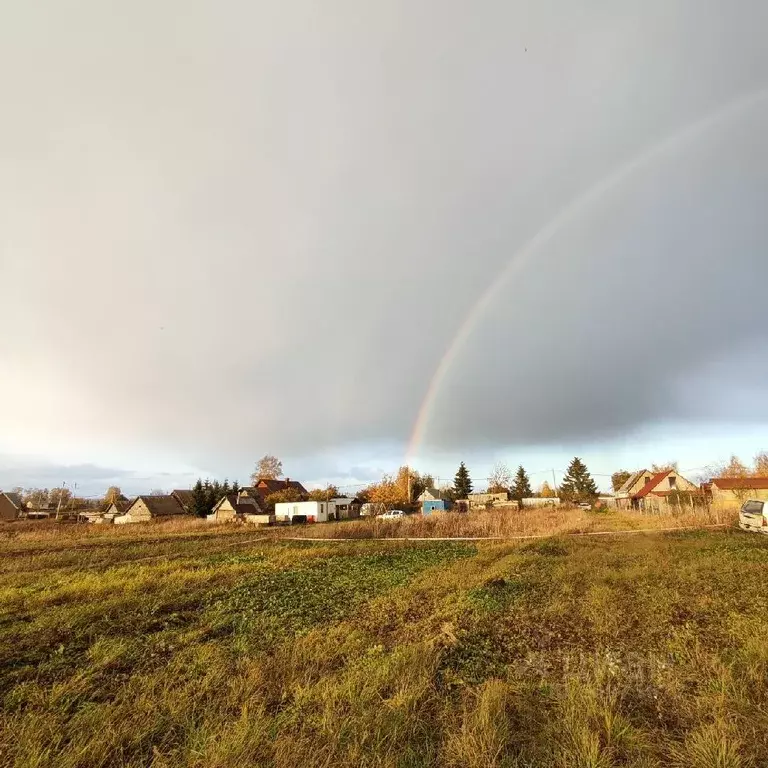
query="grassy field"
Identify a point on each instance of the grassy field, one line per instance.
(509, 522)
(203, 647)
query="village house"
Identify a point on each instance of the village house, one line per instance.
(11, 507)
(737, 489)
(635, 482)
(434, 500)
(654, 493)
(236, 506)
(145, 508)
(114, 509)
(117, 507)
(267, 486)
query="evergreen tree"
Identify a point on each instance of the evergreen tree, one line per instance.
(208, 493)
(521, 488)
(235, 487)
(225, 487)
(214, 494)
(578, 485)
(462, 483)
(199, 500)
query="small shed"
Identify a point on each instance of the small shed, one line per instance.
(434, 500)
(346, 508)
(428, 506)
(145, 508)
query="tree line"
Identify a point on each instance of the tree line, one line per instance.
(393, 490)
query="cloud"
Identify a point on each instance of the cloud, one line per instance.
(91, 480)
(246, 228)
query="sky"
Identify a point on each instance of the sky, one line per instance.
(358, 234)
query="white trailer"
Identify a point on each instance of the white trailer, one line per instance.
(316, 511)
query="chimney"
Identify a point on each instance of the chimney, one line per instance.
(287, 481)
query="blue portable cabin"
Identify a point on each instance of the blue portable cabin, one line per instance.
(435, 505)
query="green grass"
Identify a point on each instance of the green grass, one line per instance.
(227, 651)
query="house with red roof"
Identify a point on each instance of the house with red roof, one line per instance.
(739, 489)
(652, 489)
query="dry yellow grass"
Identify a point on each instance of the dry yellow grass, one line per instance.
(509, 522)
(505, 522)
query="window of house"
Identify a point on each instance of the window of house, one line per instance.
(673, 482)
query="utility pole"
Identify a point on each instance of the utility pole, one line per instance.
(58, 506)
(554, 482)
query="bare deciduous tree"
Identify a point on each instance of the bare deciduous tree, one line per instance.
(734, 468)
(267, 468)
(112, 495)
(664, 467)
(546, 491)
(500, 478)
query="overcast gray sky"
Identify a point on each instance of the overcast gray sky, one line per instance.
(231, 228)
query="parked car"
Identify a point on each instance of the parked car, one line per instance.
(752, 516)
(394, 514)
(585, 505)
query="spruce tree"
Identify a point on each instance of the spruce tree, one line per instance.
(462, 483)
(521, 488)
(214, 494)
(199, 500)
(235, 487)
(578, 485)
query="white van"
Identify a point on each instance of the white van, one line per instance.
(752, 516)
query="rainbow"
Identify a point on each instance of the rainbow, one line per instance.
(521, 258)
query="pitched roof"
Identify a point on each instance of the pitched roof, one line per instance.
(121, 505)
(651, 484)
(230, 497)
(272, 485)
(160, 506)
(185, 498)
(248, 509)
(251, 503)
(745, 483)
(435, 493)
(14, 498)
(630, 481)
